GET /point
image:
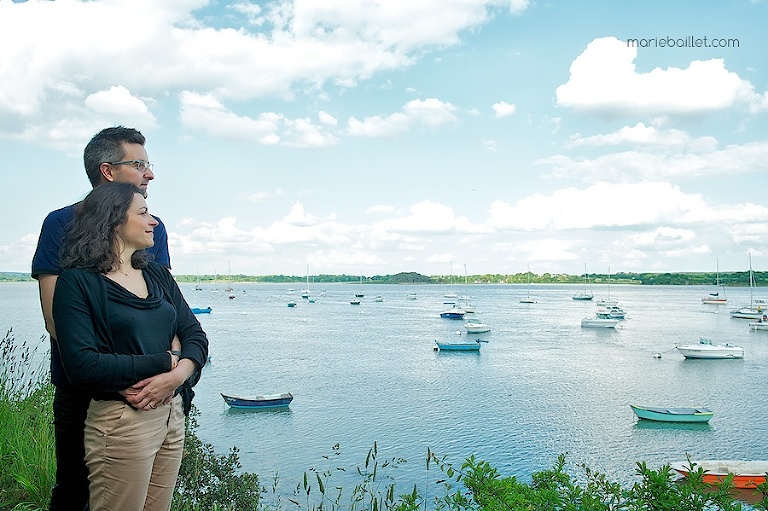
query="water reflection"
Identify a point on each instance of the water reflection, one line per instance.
(677, 426)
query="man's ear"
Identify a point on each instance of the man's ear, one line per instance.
(107, 172)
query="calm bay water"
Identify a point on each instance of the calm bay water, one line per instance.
(541, 386)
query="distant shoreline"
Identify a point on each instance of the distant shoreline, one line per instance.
(728, 279)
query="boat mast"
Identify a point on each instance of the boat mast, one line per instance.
(751, 284)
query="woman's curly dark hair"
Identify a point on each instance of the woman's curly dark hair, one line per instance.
(92, 237)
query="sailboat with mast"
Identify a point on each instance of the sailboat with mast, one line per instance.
(306, 292)
(451, 294)
(756, 308)
(584, 296)
(608, 302)
(718, 297)
(466, 299)
(527, 298)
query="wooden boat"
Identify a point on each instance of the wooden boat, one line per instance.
(705, 349)
(746, 474)
(458, 346)
(198, 310)
(260, 402)
(664, 414)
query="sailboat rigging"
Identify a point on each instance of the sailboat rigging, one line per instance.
(584, 296)
(756, 308)
(718, 297)
(306, 292)
(528, 298)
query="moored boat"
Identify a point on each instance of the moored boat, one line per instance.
(458, 346)
(611, 312)
(584, 295)
(756, 307)
(746, 473)
(718, 297)
(475, 326)
(198, 310)
(760, 324)
(666, 414)
(453, 313)
(599, 323)
(705, 349)
(259, 402)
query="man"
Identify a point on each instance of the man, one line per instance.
(113, 154)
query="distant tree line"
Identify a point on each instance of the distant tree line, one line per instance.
(733, 279)
(649, 279)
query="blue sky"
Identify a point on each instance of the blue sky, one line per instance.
(385, 136)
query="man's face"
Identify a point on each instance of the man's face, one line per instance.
(133, 172)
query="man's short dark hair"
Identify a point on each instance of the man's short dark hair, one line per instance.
(106, 146)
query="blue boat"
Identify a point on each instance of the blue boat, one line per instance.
(265, 402)
(198, 310)
(458, 346)
(664, 414)
(453, 313)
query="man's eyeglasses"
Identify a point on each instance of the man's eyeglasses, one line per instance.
(141, 165)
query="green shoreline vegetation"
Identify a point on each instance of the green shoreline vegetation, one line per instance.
(728, 279)
(210, 481)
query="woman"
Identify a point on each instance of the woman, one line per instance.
(116, 314)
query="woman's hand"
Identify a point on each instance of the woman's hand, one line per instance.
(157, 390)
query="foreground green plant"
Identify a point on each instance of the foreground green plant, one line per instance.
(210, 481)
(27, 458)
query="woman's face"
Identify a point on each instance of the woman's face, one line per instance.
(137, 230)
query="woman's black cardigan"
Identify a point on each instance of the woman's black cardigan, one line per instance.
(80, 313)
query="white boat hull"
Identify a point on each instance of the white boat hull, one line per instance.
(599, 323)
(711, 351)
(747, 313)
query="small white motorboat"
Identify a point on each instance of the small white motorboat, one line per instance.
(599, 323)
(475, 326)
(705, 349)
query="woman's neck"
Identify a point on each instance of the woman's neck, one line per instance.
(123, 263)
